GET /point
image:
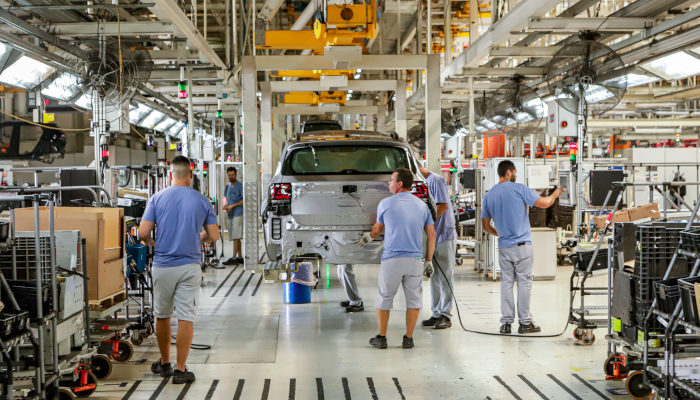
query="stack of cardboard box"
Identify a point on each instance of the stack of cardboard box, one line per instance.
(650, 210)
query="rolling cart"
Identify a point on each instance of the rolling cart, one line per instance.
(139, 286)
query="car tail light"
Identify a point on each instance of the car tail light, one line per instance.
(420, 190)
(276, 228)
(282, 192)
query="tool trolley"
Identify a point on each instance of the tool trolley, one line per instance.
(139, 285)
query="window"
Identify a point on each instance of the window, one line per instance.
(26, 73)
(29, 137)
(322, 126)
(341, 160)
(65, 87)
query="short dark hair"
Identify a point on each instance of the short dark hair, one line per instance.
(404, 176)
(505, 166)
(232, 168)
(178, 166)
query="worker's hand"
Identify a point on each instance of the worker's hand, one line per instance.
(558, 191)
(428, 269)
(362, 242)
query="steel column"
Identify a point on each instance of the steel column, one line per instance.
(266, 132)
(400, 108)
(250, 163)
(432, 113)
(190, 116)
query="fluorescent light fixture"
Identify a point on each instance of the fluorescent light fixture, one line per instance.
(656, 131)
(654, 105)
(350, 91)
(640, 79)
(26, 73)
(138, 113)
(151, 119)
(356, 76)
(674, 66)
(683, 113)
(165, 124)
(84, 101)
(65, 87)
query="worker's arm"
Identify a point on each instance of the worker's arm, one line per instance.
(377, 230)
(486, 224)
(210, 233)
(145, 230)
(367, 237)
(441, 208)
(430, 231)
(546, 202)
(237, 204)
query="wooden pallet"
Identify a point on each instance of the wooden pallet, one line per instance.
(107, 302)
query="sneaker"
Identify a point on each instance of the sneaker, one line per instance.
(378, 342)
(164, 370)
(218, 266)
(442, 323)
(345, 303)
(239, 260)
(180, 377)
(407, 342)
(429, 322)
(529, 328)
(505, 328)
(355, 308)
(230, 261)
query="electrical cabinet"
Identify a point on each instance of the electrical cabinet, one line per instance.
(77, 177)
(560, 121)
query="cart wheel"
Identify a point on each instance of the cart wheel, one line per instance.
(145, 333)
(588, 341)
(136, 341)
(65, 394)
(101, 366)
(124, 353)
(459, 261)
(86, 393)
(636, 387)
(578, 333)
(608, 367)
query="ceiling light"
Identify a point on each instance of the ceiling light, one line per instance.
(26, 73)
(673, 66)
(685, 113)
(657, 130)
(654, 105)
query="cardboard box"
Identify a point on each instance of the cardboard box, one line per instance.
(124, 192)
(650, 210)
(103, 230)
(618, 216)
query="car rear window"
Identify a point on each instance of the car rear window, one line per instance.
(342, 160)
(322, 126)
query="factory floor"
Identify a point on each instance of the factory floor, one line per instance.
(265, 349)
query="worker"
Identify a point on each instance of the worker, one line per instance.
(404, 217)
(346, 275)
(233, 205)
(444, 256)
(507, 204)
(180, 213)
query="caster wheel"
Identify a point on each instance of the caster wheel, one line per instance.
(86, 393)
(635, 386)
(64, 394)
(609, 368)
(124, 352)
(145, 333)
(136, 338)
(459, 261)
(588, 341)
(101, 366)
(578, 334)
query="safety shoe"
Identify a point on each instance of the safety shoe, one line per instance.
(429, 322)
(378, 342)
(442, 323)
(355, 308)
(407, 342)
(164, 370)
(218, 266)
(230, 261)
(345, 303)
(239, 260)
(529, 328)
(505, 328)
(180, 377)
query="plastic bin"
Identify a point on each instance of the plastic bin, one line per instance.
(138, 252)
(690, 306)
(690, 240)
(583, 255)
(295, 293)
(667, 294)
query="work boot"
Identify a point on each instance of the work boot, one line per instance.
(230, 261)
(355, 308)
(164, 370)
(407, 342)
(529, 328)
(505, 328)
(378, 342)
(345, 303)
(181, 377)
(429, 322)
(443, 323)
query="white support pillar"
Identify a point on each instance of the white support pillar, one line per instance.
(290, 126)
(533, 146)
(381, 115)
(472, 132)
(297, 124)
(347, 122)
(190, 116)
(432, 114)
(250, 163)
(400, 108)
(266, 132)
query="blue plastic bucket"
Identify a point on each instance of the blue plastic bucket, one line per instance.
(295, 293)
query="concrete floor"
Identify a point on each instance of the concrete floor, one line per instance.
(263, 348)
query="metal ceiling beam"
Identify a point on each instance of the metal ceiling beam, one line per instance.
(368, 62)
(627, 123)
(80, 6)
(196, 89)
(681, 95)
(208, 100)
(174, 75)
(110, 28)
(34, 51)
(653, 31)
(268, 10)
(314, 110)
(486, 71)
(578, 8)
(477, 85)
(601, 24)
(548, 51)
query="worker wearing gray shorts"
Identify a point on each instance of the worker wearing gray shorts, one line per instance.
(346, 275)
(507, 204)
(402, 218)
(180, 213)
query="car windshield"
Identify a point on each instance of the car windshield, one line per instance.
(322, 126)
(341, 160)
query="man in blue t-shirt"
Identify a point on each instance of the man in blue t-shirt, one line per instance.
(180, 213)
(402, 218)
(233, 205)
(507, 204)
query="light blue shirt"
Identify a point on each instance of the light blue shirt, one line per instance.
(445, 224)
(179, 213)
(506, 203)
(404, 217)
(234, 194)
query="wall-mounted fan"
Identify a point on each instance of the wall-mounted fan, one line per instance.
(481, 123)
(517, 109)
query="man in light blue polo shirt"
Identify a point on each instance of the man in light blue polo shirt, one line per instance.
(233, 205)
(445, 251)
(403, 218)
(507, 204)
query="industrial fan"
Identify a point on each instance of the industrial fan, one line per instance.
(517, 109)
(448, 127)
(481, 122)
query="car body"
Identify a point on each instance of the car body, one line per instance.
(325, 193)
(317, 126)
(24, 141)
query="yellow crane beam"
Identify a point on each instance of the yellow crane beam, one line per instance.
(313, 98)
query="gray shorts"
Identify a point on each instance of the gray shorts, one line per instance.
(176, 289)
(235, 227)
(405, 271)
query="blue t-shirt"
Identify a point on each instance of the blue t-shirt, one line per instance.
(506, 203)
(404, 217)
(234, 194)
(179, 213)
(445, 224)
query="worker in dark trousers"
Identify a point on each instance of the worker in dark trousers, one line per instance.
(346, 275)
(507, 204)
(445, 251)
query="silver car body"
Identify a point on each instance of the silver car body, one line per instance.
(323, 221)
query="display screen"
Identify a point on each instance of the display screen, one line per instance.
(564, 183)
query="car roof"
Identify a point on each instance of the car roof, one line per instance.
(322, 136)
